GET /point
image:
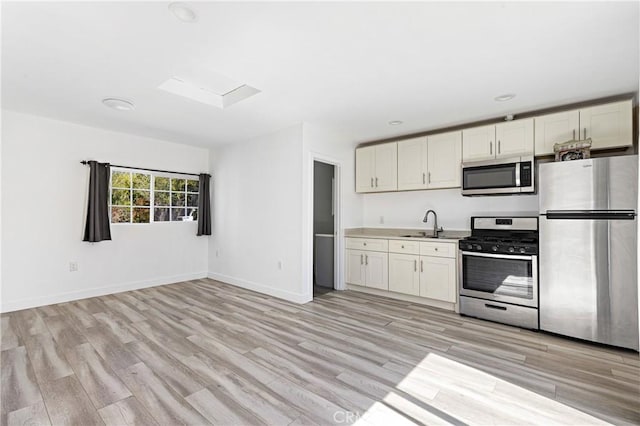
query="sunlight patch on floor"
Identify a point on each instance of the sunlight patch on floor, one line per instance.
(439, 390)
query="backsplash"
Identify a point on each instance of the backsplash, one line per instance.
(407, 209)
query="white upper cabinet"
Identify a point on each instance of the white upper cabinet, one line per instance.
(508, 139)
(478, 143)
(412, 164)
(386, 178)
(365, 169)
(514, 138)
(555, 128)
(608, 126)
(444, 155)
(377, 168)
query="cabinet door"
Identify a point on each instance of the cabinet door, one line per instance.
(412, 164)
(438, 278)
(608, 126)
(376, 270)
(365, 168)
(478, 143)
(386, 167)
(514, 138)
(554, 128)
(403, 274)
(355, 268)
(444, 156)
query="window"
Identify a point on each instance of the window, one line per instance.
(140, 197)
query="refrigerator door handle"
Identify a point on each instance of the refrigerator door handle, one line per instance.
(591, 214)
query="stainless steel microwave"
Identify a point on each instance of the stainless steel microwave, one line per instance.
(513, 175)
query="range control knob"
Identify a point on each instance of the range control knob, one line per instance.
(478, 247)
(494, 248)
(523, 250)
(469, 246)
(511, 249)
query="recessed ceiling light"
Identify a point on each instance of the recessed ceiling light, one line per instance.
(506, 97)
(119, 104)
(183, 12)
(395, 123)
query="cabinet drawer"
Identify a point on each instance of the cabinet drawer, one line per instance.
(372, 244)
(438, 249)
(405, 247)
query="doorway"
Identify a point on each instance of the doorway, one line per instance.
(324, 226)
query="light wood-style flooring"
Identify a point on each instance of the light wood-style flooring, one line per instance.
(202, 352)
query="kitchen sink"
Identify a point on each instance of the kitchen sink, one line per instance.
(419, 236)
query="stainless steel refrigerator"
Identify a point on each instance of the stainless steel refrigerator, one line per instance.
(588, 249)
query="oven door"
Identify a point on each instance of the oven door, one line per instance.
(500, 277)
(490, 177)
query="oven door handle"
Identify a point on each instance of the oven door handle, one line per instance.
(497, 256)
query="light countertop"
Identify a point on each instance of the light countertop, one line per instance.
(397, 234)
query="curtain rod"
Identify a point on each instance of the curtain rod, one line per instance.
(147, 170)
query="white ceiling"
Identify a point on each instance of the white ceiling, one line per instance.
(351, 65)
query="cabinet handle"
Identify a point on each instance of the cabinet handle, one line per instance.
(574, 134)
(415, 265)
(585, 132)
(403, 246)
(364, 244)
(422, 266)
(436, 248)
(490, 148)
(362, 259)
(372, 182)
(429, 176)
(366, 259)
(423, 178)
(498, 147)
(376, 182)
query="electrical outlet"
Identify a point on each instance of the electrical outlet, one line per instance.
(280, 264)
(73, 266)
(217, 253)
(381, 220)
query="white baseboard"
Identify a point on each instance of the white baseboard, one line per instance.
(96, 291)
(261, 288)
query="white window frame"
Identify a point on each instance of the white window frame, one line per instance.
(152, 191)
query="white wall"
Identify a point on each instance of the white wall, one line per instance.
(257, 214)
(407, 209)
(44, 191)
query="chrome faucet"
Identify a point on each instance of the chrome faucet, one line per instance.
(435, 222)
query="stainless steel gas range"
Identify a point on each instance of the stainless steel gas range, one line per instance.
(499, 270)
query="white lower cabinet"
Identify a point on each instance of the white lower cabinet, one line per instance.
(403, 274)
(425, 269)
(438, 278)
(367, 268)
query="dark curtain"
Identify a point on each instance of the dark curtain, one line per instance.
(204, 205)
(97, 225)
